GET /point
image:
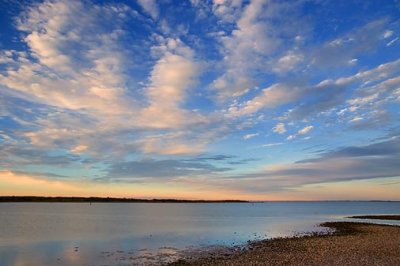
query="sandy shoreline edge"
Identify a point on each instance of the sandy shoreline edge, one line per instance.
(348, 243)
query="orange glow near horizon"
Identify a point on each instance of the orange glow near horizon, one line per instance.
(14, 184)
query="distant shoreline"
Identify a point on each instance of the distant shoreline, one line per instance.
(107, 199)
(378, 217)
(140, 200)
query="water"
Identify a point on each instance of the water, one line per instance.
(129, 233)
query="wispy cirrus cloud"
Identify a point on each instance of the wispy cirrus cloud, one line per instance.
(162, 169)
(374, 161)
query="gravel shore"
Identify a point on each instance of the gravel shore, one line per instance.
(350, 244)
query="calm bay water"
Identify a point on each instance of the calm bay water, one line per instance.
(129, 233)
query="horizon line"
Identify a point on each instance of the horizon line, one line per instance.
(28, 198)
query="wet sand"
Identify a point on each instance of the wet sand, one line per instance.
(350, 244)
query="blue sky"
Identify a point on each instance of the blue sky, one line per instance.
(200, 99)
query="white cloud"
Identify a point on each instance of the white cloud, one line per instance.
(273, 96)
(353, 61)
(382, 71)
(151, 7)
(392, 41)
(71, 73)
(272, 144)
(348, 46)
(250, 136)
(279, 128)
(89, 95)
(288, 62)
(387, 34)
(302, 131)
(250, 44)
(356, 119)
(195, 2)
(363, 100)
(290, 137)
(79, 149)
(227, 10)
(325, 95)
(373, 96)
(171, 79)
(305, 130)
(85, 85)
(173, 147)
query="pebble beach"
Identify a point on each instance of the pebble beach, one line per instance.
(349, 243)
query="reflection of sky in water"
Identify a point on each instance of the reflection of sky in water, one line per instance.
(48, 233)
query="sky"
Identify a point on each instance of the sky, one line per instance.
(221, 99)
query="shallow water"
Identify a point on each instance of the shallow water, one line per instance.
(129, 233)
